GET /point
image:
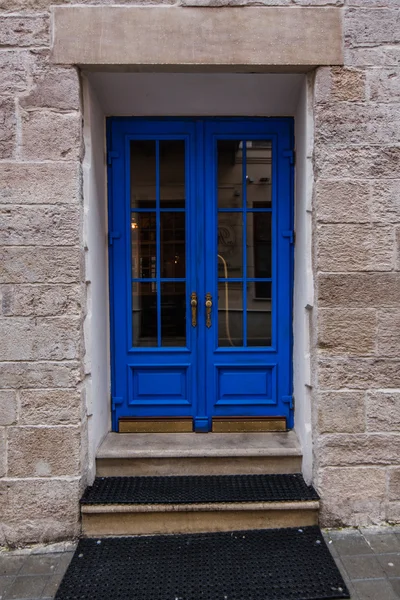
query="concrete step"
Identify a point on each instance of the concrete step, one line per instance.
(126, 454)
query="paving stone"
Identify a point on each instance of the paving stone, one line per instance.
(383, 542)
(363, 567)
(5, 583)
(395, 583)
(52, 585)
(375, 589)
(390, 563)
(39, 564)
(27, 587)
(350, 543)
(10, 565)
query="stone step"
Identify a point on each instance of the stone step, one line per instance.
(198, 454)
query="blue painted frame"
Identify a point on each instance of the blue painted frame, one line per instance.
(202, 359)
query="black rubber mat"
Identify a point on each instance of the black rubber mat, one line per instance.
(274, 564)
(198, 489)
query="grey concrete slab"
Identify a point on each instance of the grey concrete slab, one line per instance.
(390, 564)
(362, 567)
(349, 542)
(382, 542)
(26, 587)
(375, 589)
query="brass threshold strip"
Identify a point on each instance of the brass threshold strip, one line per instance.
(248, 424)
(185, 425)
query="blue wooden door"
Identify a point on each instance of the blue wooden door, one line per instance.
(200, 234)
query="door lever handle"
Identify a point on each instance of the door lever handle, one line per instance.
(208, 309)
(193, 304)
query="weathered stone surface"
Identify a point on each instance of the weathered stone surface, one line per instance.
(39, 225)
(47, 135)
(17, 375)
(50, 407)
(3, 452)
(341, 412)
(44, 338)
(385, 201)
(354, 290)
(39, 510)
(44, 5)
(8, 129)
(365, 27)
(40, 300)
(351, 331)
(43, 451)
(383, 411)
(394, 484)
(336, 84)
(373, 3)
(358, 373)
(56, 88)
(388, 335)
(385, 56)
(14, 69)
(345, 450)
(216, 3)
(40, 183)
(354, 496)
(24, 31)
(358, 161)
(345, 201)
(37, 265)
(384, 85)
(393, 513)
(355, 248)
(8, 407)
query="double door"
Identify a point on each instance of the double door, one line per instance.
(201, 245)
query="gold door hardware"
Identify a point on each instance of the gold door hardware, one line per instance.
(193, 304)
(208, 309)
(156, 425)
(248, 424)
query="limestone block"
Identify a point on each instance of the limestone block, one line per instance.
(365, 27)
(8, 407)
(47, 135)
(353, 123)
(384, 84)
(388, 338)
(358, 373)
(3, 452)
(346, 449)
(24, 31)
(40, 183)
(37, 265)
(216, 3)
(50, 407)
(8, 126)
(40, 300)
(56, 88)
(394, 484)
(373, 3)
(357, 161)
(354, 496)
(338, 84)
(393, 512)
(342, 201)
(397, 235)
(341, 412)
(384, 56)
(14, 69)
(44, 338)
(350, 331)
(355, 248)
(45, 5)
(39, 375)
(354, 290)
(385, 201)
(383, 411)
(43, 451)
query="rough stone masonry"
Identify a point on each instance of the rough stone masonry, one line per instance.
(356, 240)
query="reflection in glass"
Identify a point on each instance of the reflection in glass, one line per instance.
(258, 173)
(143, 243)
(172, 174)
(230, 173)
(173, 244)
(259, 244)
(230, 314)
(143, 174)
(259, 312)
(173, 314)
(230, 245)
(144, 314)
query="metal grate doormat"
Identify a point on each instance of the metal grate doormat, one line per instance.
(198, 489)
(272, 564)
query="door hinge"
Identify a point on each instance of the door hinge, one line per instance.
(289, 400)
(116, 401)
(113, 235)
(291, 235)
(111, 154)
(291, 155)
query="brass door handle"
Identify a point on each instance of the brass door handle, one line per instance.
(208, 309)
(193, 304)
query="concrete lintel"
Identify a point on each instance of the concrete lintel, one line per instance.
(243, 38)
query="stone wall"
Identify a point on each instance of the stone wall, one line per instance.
(356, 362)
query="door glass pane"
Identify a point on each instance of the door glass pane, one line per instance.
(230, 245)
(143, 174)
(230, 314)
(258, 173)
(143, 244)
(259, 313)
(173, 245)
(144, 314)
(172, 174)
(173, 314)
(230, 173)
(259, 244)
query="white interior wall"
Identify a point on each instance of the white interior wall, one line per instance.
(181, 94)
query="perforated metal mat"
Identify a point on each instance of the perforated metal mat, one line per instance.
(274, 564)
(198, 489)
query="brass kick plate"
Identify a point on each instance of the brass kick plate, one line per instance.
(165, 425)
(245, 424)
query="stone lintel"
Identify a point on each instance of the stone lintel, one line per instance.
(168, 37)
